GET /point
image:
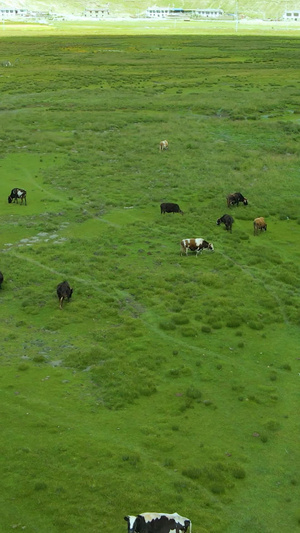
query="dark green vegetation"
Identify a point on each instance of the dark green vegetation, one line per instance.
(167, 383)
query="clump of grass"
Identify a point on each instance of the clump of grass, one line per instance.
(194, 393)
(189, 332)
(23, 367)
(40, 485)
(180, 320)
(206, 329)
(264, 438)
(39, 359)
(238, 472)
(255, 325)
(286, 366)
(274, 397)
(169, 463)
(216, 325)
(192, 473)
(207, 403)
(167, 325)
(234, 322)
(272, 425)
(133, 459)
(217, 488)
(198, 317)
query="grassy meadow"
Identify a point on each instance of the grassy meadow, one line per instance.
(167, 383)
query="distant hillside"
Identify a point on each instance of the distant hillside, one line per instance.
(249, 8)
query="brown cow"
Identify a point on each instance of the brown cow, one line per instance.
(259, 224)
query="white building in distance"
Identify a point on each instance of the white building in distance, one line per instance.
(293, 14)
(163, 12)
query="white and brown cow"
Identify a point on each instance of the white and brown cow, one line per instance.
(195, 245)
(158, 523)
(163, 145)
(259, 224)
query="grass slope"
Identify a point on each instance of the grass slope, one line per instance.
(167, 383)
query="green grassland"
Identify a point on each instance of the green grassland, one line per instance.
(167, 383)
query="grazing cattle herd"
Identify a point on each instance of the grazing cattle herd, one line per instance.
(158, 523)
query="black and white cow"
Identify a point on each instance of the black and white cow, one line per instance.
(1, 279)
(195, 245)
(227, 220)
(17, 194)
(168, 207)
(235, 198)
(158, 523)
(64, 292)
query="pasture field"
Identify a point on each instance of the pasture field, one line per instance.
(167, 383)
